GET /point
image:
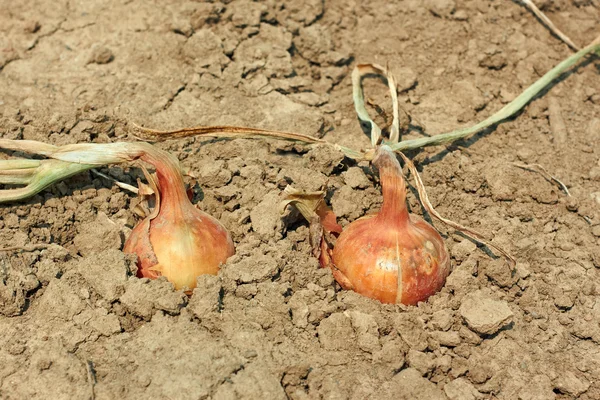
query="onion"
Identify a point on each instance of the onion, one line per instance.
(177, 240)
(393, 256)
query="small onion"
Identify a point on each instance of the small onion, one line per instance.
(177, 240)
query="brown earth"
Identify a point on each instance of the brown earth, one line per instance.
(75, 323)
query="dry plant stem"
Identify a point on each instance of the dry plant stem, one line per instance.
(361, 71)
(220, 131)
(538, 13)
(545, 174)
(31, 247)
(234, 132)
(467, 231)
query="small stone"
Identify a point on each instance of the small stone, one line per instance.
(572, 204)
(100, 55)
(483, 314)
(596, 230)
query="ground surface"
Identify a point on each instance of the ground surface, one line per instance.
(74, 323)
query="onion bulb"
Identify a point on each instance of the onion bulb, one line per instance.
(393, 256)
(177, 240)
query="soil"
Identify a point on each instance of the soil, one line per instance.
(75, 322)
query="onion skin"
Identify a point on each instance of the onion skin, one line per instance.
(393, 257)
(177, 241)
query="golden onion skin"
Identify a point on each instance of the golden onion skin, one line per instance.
(181, 251)
(178, 241)
(393, 257)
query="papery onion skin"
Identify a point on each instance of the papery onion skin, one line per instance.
(393, 257)
(179, 242)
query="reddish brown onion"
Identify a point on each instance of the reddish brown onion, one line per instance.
(393, 256)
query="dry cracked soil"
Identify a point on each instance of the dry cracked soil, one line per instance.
(75, 323)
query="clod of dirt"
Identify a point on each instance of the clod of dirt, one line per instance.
(406, 78)
(569, 383)
(254, 269)
(61, 300)
(205, 49)
(100, 55)
(483, 314)
(367, 331)
(539, 388)
(409, 384)
(205, 299)
(336, 333)
(15, 287)
(265, 218)
(98, 236)
(254, 382)
(176, 360)
(461, 389)
(356, 178)
(442, 319)
(144, 297)
(441, 8)
(107, 273)
(448, 339)
(422, 362)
